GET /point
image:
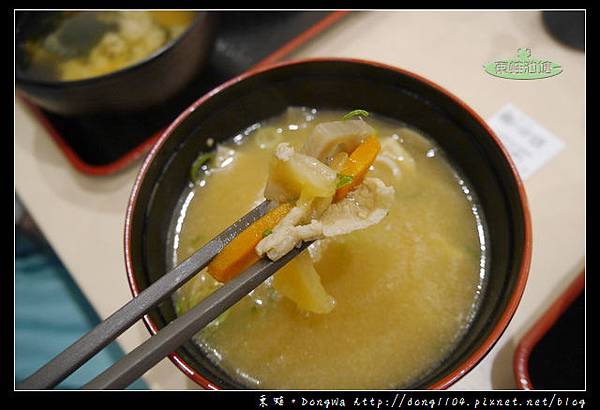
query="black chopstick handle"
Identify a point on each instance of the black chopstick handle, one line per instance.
(91, 343)
(98, 338)
(182, 329)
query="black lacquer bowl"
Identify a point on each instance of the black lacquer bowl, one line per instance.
(148, 85)
(337, 84)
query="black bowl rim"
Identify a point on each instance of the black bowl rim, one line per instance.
(21, 79)
(523, 273)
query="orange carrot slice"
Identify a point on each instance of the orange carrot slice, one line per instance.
(240, 254)
(357, 165)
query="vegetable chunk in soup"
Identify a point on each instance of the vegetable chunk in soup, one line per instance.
(389, 286)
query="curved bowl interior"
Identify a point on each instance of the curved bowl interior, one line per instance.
(339, 84)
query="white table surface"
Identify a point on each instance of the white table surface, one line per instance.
(82, 216)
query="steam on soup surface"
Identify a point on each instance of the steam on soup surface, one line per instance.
(404, 289)
(84, 44)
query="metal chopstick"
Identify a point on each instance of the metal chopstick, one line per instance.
(91, 343)
(182, 329)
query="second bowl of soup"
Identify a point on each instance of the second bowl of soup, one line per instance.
(76, 63)
(414, 301)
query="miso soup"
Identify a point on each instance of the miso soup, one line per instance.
(75, 45)
(405, 289)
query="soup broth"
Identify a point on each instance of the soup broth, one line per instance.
(405, 289)
(76, 45)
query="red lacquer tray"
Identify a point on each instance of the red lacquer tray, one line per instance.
(245, 40)
(552, 353)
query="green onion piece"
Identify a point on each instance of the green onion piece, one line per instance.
(355, 113)
(212, 326)
(343, 180)
(267, 232)
(180, 307)
(220, 319)
(197, 165)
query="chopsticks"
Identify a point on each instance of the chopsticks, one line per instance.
(168, 339)
(179, 331)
